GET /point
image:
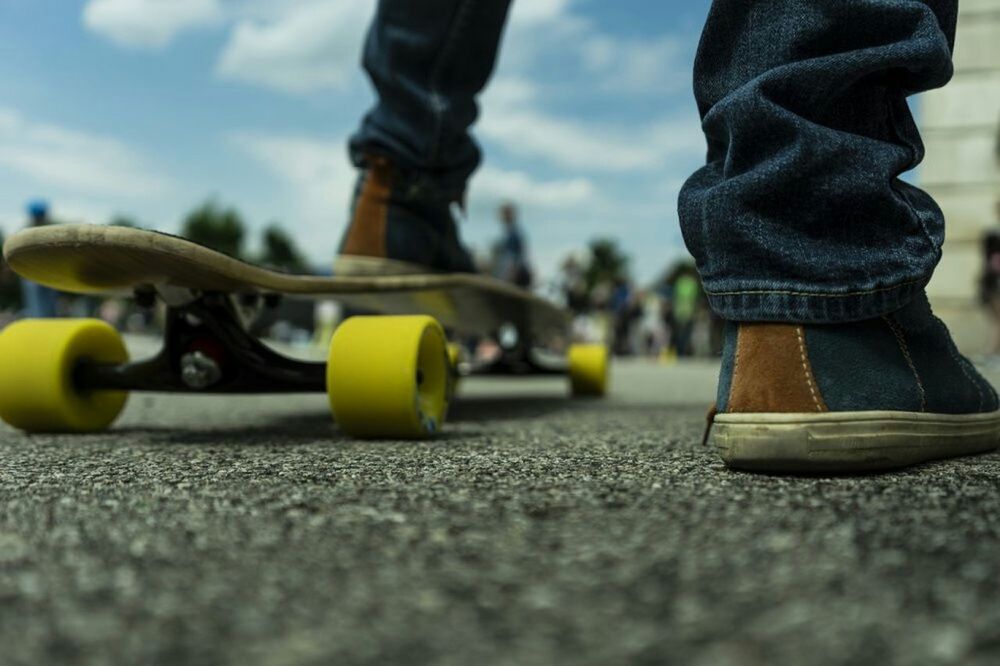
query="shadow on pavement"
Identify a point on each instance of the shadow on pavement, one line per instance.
(492, 408)
(287, 430)
(507, 408)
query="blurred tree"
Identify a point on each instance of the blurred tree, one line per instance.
(216, 227)
(681, 267)
(280, 251)
(125, 221)
(608, 264)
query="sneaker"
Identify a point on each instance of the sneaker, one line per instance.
(399, 227)
(869, 395)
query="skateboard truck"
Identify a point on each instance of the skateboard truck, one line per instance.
(206, 349)
(519, 356)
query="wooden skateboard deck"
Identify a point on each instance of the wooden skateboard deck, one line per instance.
(92, 259)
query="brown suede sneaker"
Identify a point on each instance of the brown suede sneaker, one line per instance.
(400, 225)
(869, 395)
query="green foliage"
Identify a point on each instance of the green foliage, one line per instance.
(216, 227)
(608, 263)
(280, 251)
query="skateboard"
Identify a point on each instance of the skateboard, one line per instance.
(389, 374)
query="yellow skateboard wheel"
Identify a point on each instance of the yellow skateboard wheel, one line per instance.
(588, 369)
(37, 359)
(389, 376)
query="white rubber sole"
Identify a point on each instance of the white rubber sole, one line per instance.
(849, 441)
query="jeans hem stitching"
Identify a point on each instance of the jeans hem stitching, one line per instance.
(815, 294)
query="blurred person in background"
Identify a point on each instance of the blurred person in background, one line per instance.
(624, 312)
(572, 285)
(807, 241)
(38, 301)
(686, 292)
(510, 254)
(649, 332)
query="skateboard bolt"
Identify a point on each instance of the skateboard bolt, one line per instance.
(199, 371)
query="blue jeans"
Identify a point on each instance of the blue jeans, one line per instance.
(428, 60)
(799, 213)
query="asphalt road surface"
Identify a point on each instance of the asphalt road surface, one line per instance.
(537, 530)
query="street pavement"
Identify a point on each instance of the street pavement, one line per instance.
(536, 530)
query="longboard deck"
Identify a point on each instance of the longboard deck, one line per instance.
(92, 259)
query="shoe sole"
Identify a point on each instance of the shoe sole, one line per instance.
(849, 441)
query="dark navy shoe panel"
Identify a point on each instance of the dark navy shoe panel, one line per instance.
(861, 367)
(905, 361)
(951, 384)
(409, 238)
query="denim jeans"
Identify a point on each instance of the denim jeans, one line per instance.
(428, 60)
(799, 213)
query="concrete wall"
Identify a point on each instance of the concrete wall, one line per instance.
(960, 125)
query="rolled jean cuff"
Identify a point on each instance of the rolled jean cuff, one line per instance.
(813, 307)
(410, 181)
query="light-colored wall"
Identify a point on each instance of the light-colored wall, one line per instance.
(960, 125)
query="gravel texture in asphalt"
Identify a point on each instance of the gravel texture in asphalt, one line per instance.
(537, 530)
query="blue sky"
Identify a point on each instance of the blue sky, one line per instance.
(148, 107)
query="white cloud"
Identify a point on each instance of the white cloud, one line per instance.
(513, 120)
(317, 177)
(636, 66)
(58, 157)
(546, 33)
(534, 12)
(148, 24)
(300, 46)
(500, 185)
(313, 46)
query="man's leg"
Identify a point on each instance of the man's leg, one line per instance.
(814, 249)
(427, 60)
